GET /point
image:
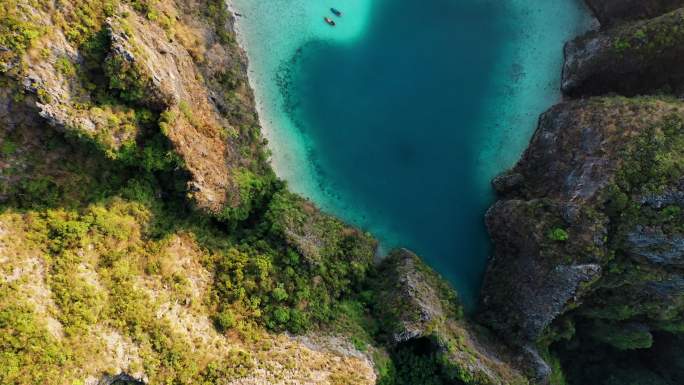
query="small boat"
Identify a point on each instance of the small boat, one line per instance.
(336, 12)
(329, 21)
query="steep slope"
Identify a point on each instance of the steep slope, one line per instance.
(139, 78)
(613, 11)
(586, 273)
(145, 239)
(589, 203)
(631, 59)
(421, 316)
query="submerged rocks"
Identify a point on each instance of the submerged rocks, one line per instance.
(637, 58)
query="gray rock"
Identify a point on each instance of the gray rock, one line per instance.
(570, 213)
(507, 182)
(630, 60)
(549, 298)
(411, 290)
(666, 198)
(667, 289)
(540, 368)
(609, 12)
(652, 245)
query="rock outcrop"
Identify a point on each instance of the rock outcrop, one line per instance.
(609, 12)
(169, 80)
(417, 307)
(586, 277)
(631, 59)
(652, 245)
(161, 75)
(580, 232)
(314, 234)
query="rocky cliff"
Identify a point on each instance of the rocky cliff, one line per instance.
(145, 82)
(143, 236)
(585, 276)
(609, 12)
(145, 239)
(420, 314)
(635, 58)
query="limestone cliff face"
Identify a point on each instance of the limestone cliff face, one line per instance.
(550, 230)
(175, 65)
(588, 229)
(613, 11)
(417, 307)
(118, 120)
(631, 59)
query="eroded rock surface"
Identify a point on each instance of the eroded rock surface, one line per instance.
(612, 11)
(419, 308)
(179, 80)
(590, 234)
(631, 59)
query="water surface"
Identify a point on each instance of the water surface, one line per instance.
(397, 118)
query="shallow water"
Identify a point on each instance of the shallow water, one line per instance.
(397, 118)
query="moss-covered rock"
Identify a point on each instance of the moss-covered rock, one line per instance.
(607, 172)
(631, 59)
(315, 235)
(421, 318)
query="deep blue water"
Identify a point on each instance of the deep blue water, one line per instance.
(394, 118)
(404, 125)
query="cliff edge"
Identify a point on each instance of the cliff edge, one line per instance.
(585, 276)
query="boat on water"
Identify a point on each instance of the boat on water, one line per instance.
(329, 21)
(336, 12)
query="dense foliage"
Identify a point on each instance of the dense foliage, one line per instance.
(102, 235)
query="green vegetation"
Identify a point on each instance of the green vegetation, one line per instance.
(65, 67)
(419, 363)
(130, 84)
(217, 12)
(109, 254)
(8, 147)
(559, 235)
(118, 229)
(623, 337)
(17, 33)
(28, 353)
(278, 281)
(650, 39)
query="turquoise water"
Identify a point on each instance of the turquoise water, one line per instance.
(397, 118)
